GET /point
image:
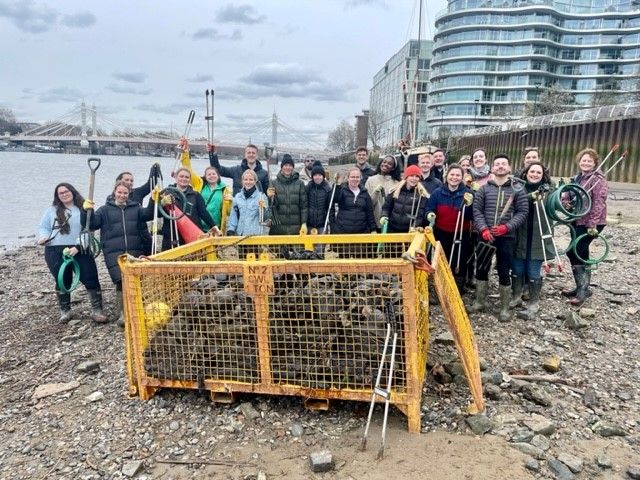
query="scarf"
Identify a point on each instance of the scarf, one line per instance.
(248, 193)
(480, 172)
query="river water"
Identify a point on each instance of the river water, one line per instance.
(37, 174)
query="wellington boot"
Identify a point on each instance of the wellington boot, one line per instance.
(480, 303)
(517, 283)
(525, 291)
(64, 301)
(505, 297)
(118, 308)
(571, 292)
(535, 286)
(95, 296)
(582, 292)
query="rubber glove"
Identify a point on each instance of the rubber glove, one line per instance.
(70, 251)
(486, 235)
(499, 230)
(155, 193)
(379, 189)
(431, 218)
(303, 229)
(166, 200)
(271, 192)
(383, 220)
(88, 205)
(211, 148)
(593, 231)
(467, 198)
(533, 196)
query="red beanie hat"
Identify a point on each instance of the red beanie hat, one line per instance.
(412, 170)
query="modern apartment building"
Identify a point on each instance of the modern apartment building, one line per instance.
(493, 57)
(393, 95)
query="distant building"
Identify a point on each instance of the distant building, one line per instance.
(362, 126)
(493, 57)
(391, 100)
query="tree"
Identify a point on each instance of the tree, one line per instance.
(342, 138)
(607, 94)
(8, 122)
(551, 100)
(374, 132)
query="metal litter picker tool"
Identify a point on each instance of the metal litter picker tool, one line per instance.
(378, 391)
(546, 236)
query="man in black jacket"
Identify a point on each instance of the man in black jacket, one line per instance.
(250, 161)
(428, 179)
(438, 164)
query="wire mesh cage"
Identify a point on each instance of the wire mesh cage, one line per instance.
(287, 315)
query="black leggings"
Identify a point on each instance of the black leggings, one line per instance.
(446, 239)
(582, 247)
(504, 257)
(88, 270)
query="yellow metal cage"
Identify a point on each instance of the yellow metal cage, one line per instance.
(284, 315)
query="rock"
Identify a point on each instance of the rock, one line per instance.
(603, 461)
(249, 412)
(71, 338)
(444, 339)
(632, 311)
(551, 364)
(491, 376)
(522, 435)
(173, 426)
(589, 399)
(493, 392)
(94, 397)
(131, 469)
(634, 471)
(89, 366)
(559, 470)
(532, 464)
(528, 449)
(626, 396)
(541, 442)
(49, 389)
(321, 461)
(537, 395)
(575, 322)
(574, 463)
(479, 424)
(540, 424)
(608, 429)
(454, 368)
(587, 312)
(261, 475)
(297, 430)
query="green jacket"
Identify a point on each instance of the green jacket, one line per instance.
(289, 206)
(528, 236)
(217, 207)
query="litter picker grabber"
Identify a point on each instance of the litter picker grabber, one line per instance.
(546, 236)
(378, 391)
(622, 157)
(209, 117)
(601, 165)
(457, 238)
(88, 242)
(333, 194)
(156, 181)
(380, 247)
(183, 139)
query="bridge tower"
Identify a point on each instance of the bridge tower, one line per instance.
(94, 121)
(274, 129)
(84, 141)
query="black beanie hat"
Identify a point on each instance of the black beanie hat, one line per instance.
(287, 158)
(317, 170)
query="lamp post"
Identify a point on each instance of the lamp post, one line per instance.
(475, 112)
(535, 99)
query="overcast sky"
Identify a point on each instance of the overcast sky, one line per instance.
(146, 63)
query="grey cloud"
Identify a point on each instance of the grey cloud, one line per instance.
(234, 118)
(131, 77)
(128, 89)
(200, 78)
(170, 109)
(359, 3)
(61, 94)
(27, 17)
(244, 14)
(311, 116)
(214, 34)
(79, 20)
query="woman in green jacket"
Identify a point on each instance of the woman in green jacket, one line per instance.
(217, 197)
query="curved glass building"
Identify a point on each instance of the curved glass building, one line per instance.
(493, 57)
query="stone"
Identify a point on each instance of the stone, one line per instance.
(454, 368)
(560, 470)
(479, 424)
(131, 469)
(529, 449)
(574, 463)
(444, 339)
(532, 464)
(551, 364)
(541, 442)
(589, 399)
(174, 425)
(321, 461)
(634, 471)
(632, 311)
(49, 389)
(608, 429)
(491, 376)
(537, 395)
(493, 392)
(522, 435)
(604, 462)
(625, 396)
(296, 429)
(94, 397)
(249, 412)
(575, 322)
(261, 475)
(71, 338)
(540, 424)
(587, 312)
(89, 366)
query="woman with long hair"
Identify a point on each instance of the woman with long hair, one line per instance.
(217, 197)
(59, 232)
(480, 169)
(404, 207)
(379, 185)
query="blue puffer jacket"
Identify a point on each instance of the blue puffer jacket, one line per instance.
(245, 214)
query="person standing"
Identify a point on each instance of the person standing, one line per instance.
(305, 171)
(217, 197)
(439, 168)
(362, 164)
(479, 170)
(318, 199)
(404, 208)
(386, 178)
(139, 193)
(428, 178)
(249, 212)
(589, 226)
(355, 207)
(59, 232)
(249, 162)
(499, 210)
(288, 198)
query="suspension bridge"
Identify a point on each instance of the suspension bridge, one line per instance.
(81, 130)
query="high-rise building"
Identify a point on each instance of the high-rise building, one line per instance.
(493, 57)
(393, 96)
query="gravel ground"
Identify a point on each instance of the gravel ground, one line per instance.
(585, 423)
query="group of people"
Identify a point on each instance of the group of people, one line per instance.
(477, 210)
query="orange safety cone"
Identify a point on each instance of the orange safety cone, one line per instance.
(188, 231)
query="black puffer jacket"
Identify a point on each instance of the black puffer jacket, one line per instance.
(235, 173)
(401, 204)
(122, 230)
(289, 206)
(355, 215)
(318, 197)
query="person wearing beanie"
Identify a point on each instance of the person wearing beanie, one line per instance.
(387, 176)
(288, 200)
(404, 208)
(318, 199)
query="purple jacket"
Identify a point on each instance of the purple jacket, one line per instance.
(598, 213)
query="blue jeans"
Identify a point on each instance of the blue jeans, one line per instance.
(520, 268)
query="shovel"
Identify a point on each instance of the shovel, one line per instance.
(88, 243)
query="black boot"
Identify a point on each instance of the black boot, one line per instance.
(582, 282)
(460, 283)
(535, 286)
(517, 283)
(572, 292)
(95, 296)
(64, 301)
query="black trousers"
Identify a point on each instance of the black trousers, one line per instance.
(582, 247)
(88, 270)
(504, 256)
(466, 249)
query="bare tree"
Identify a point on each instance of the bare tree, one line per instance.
(375, 128)
(551, 100)
(8, 122)
(342, 138)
